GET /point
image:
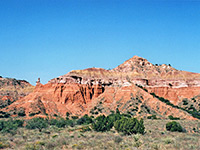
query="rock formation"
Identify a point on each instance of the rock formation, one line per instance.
(11, 90)
(128, 87)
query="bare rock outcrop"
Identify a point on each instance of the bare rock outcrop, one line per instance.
(96, 90)
(11, 90)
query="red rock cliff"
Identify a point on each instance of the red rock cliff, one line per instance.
(95, 90)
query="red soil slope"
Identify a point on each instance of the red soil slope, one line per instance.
(95, 91)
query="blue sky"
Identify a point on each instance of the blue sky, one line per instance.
(48, 38)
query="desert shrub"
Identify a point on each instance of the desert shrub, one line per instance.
(52, 121)
(74, 117)
(60, 123)
(126, 115)
(152, 117)
(85, 129)
(173, 118)
(140, 86)
(191, 110)
(195, 114)
(10, 126)
(129, 126)
(32, 146)
(194, 99)
(96, 112)
(55, 115)
(19, 123)
(164, 100)
(34, 113)
(37, 123)
(174, 126)
(4, 114)
(67, 114)
(21, 113)
(185, 101)
(71, 123)
(113, 117)
(5, 103)
(84, 120)
(118, 139)
(3, 145)
(168, 140)
(101, 124)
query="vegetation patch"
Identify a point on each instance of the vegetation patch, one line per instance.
(129, 126)
(10, 126)
(140, 86)
(37, 123)
(174, 127)
(191, 110)
(152, 117)
(173, 118)
(4, 114)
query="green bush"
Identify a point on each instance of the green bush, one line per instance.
(19, 123)
(34, 113)
(113, 117)
(10, 126)
(129, 126)
(55, 115)
(37, 123)
(173, 118)
(71, 123)
(74, 117)
(192, 110)
(185, 101)
(52, 121)
(60, 123)
(101, 124)
(21, 113)
(84, 120)
(174, 126)
(67, 114)
(140, 86)
(4, 114)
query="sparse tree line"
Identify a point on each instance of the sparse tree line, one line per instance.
(120, 122)
(191, 110)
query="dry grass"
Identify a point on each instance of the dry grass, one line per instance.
(155, 138)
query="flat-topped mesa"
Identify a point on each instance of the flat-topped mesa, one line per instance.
(136, 70)
(90, 76)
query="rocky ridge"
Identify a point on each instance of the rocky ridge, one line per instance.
(11, 90)
(96, 90)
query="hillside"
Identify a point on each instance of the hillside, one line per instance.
(134, 87)
(12, 90)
